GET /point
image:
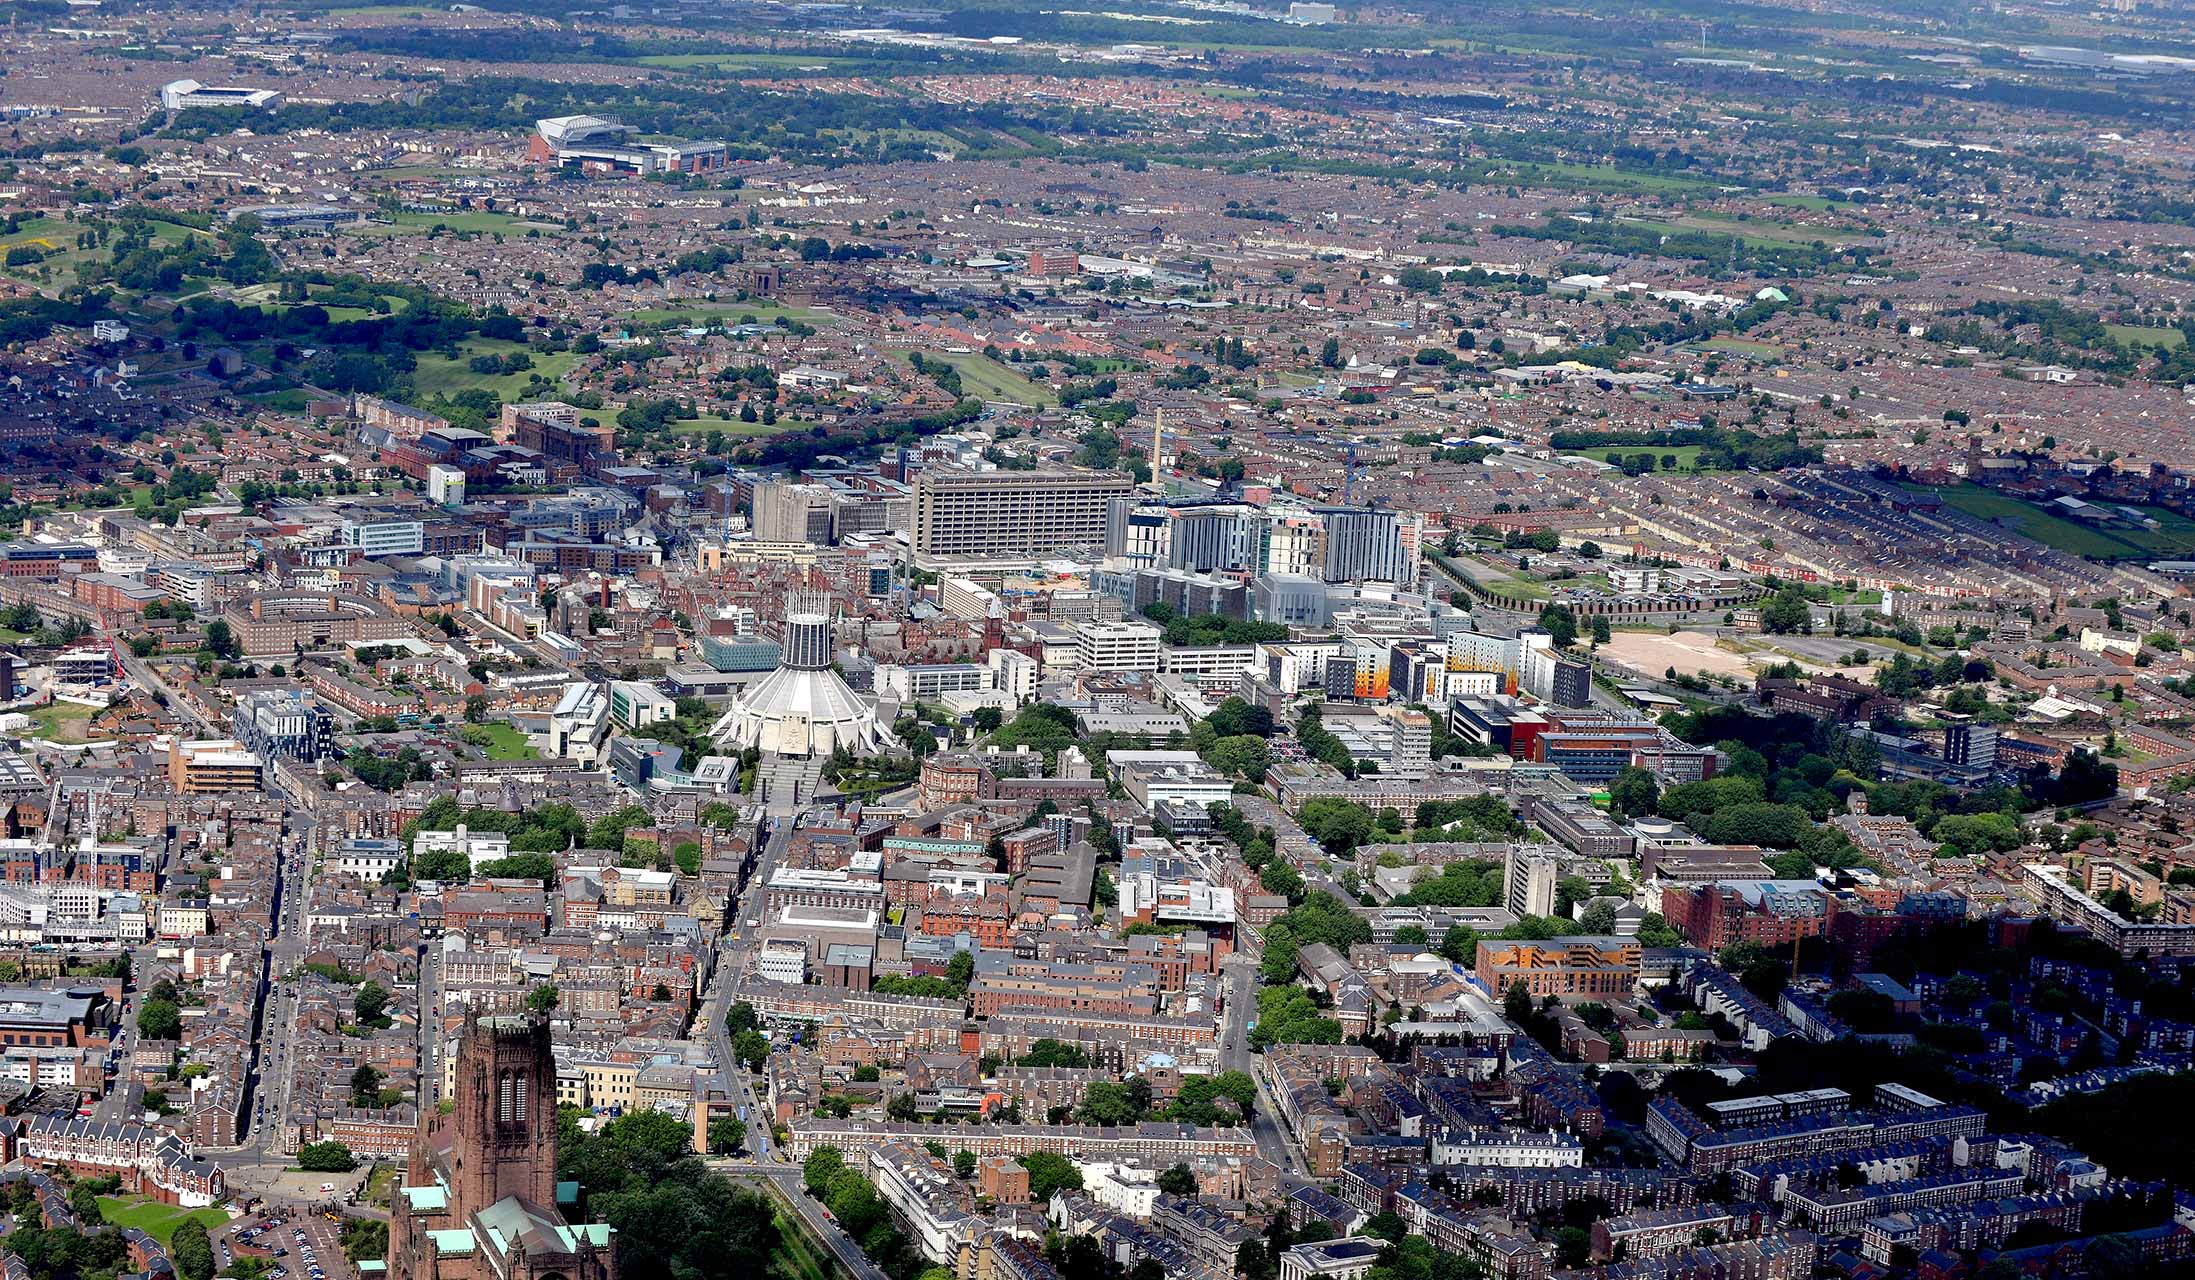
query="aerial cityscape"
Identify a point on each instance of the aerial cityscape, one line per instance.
(1229, 640)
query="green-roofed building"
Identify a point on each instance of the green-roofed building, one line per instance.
(481, 1200)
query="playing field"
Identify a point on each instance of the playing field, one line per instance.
(1686, 456)
(2072, 537)
(438, 375)
(2131, 335)
(987, 379)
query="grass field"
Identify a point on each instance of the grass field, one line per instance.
(2175, 537)
(58, 238)
(1687, 455)
(154, 1218)
(796, 1256)
(1820, 204)
(62, 721)
(292, 400)
(990, 380)
(752, 311)
(2129, 335)
(505, 742)
(1742, 347)
(480, 220)
(1770, 233)
(1524, 588)
(439, 376)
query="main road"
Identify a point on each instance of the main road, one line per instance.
(763, 1162)
(1241, 972)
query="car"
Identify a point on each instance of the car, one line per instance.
(326, 1188)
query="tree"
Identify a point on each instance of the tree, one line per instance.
(726, 1135)
(159, 1020)
(1330, 354)
(1253, 1261)
(1602, 634)
(1634, 793)
(1655, 931)
(741, 1017)
(964, 1163)
(1178, 1181)
(542, 999)
(370, 1005)
(1047, 1052)
(822, 1165)
(1460, 944)
(221, 642)
(608, 831)
(1573, 1246)
(751, 1048)
(1786, 613)
(1050, 1172)
(365, 1085)
(325, 1157)
(361, 1239)
(671, 1216)
(191, 1251)
(1598, 919)
(1560, 624)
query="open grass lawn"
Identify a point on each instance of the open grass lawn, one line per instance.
(57, 237)
(292, 400)
(2131, 335)
(380, 1183)
(1768, 233)
(1524, 588)
(481, 220)
(62, 721)
(984, 377)
(1687, 455)
(1742, 347)
(439, 376)
(505, 742)
(752, 311)
(796, 1256)
(2033, 522)
(1820, 204)
(2174, 538)
(154, 1218)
